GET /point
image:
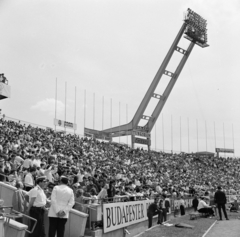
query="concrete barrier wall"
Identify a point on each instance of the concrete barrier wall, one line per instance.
(77, 221)
(75, 225)
(6, 193)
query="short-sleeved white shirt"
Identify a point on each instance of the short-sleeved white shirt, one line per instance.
(28, 181)
(40, 196)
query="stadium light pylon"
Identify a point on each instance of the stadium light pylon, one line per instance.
(194, 28)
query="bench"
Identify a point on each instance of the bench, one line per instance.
(195, 215)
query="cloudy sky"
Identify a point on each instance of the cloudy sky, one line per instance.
(113, 48)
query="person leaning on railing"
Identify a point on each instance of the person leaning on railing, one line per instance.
(2, 173)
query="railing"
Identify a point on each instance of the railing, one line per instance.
(13, 214)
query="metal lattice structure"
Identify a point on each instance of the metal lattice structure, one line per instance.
(193, 29)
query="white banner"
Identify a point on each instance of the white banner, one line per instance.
(65, 124)
(122, 214)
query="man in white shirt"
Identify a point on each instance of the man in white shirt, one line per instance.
(36, 161)
(36, 207)
(204, 208)
(62, 201)
(29, 179)
(49, 173)
(27, 162)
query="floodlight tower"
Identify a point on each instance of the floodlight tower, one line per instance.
(195, 30)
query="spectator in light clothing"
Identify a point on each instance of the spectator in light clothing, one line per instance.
(62, 201)
(29, 179)
(203, 207)
(27, 163)
(182, 206)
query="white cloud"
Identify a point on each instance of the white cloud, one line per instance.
(48, 106)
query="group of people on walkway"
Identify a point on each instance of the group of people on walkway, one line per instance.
(207, 205)
(159, 207)
(61, 202)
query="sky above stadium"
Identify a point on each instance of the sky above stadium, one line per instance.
(113, 48)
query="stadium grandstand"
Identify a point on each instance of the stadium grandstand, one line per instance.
(112, 184)
(104, 172)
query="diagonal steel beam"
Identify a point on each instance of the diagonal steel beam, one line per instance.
(168, 89)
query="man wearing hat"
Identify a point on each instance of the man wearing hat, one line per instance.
(62, 201)
(36, 207)
(29, 179)
(221, 200)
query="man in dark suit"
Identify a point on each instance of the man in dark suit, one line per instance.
(152, 211)
(220, 199)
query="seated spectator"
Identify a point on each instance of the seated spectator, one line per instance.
(204, 208)
(234, 206)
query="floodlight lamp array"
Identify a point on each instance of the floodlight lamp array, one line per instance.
(196, 28)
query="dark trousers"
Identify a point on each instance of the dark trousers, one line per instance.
(150, 217)
(206, 210)
(182, 210)
(56, 225)
(38, 214)
(163, 215)
(222, 206)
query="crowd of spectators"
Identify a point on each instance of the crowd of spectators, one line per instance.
(105, 170)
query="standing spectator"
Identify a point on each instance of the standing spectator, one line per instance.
(29, 179)
(103, 194)
(221, 200)
(195, 202)
(165, 207)
(182, 206)
(36, 207)
(111, 191)
(152, 211)
(62, 201)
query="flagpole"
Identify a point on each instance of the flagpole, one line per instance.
(188, 136)
(119, 118)
(224, 138)
(206, 133)
(75, 109)
(155, 134)
(233, 141)
(127, 120)
(197, 135)
(84, 114)
(180, 136)
(111, 114)
(102, 112)
(65, 103)
(215, 136)
(171, 134)
(55, 104)
(93, 110)
(163, 131)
